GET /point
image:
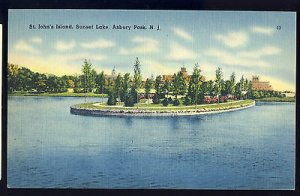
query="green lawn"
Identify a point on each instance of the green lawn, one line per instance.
(160, 107)
(65, 94)
(277, 99)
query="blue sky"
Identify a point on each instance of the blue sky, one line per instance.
(247, 43)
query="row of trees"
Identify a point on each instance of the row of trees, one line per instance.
(192, 89)
(24, 80)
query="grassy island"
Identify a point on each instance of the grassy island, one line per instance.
(99, 109)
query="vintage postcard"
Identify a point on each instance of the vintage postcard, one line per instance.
(148, 99)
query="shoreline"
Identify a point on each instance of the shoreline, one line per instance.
(188, 112)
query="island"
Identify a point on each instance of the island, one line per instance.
(102, 109)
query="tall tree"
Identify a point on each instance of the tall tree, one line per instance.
(137, 78)
(148, 86)
(125, 86)
(218, 85)
(157, 85)
(195, 85)
(232, 84)
(88, 76)
(167, 87)
(118, 86)
(182, 83)
(242, 83)
(100, 82)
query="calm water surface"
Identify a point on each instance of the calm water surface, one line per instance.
(247, 149)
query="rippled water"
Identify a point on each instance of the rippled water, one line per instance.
(247, 149)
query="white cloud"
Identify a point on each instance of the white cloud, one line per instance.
(183, 34)
(233, 39)
(62, 45)
(147, 45)
(265, 51)
(22, 45)
(100, 43)
(143, 45)
(78, 57)
(179, 52)
(36, 40)
(263, 30)
(228, 58)
(123, 51)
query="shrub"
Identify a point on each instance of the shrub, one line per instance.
(170, 100)
(176, 102)
(129, 102)
(77, 90)
(206, 100)
(223, 99)
(111, 99)
(214, 99)
(187, 100)
(155, 99)
(165, 102)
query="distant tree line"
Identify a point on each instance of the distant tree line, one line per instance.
(125, 88)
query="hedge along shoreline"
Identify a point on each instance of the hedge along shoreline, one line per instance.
(90, 109)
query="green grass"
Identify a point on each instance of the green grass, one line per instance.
(160, 107)
(277, 99)
(65, 94)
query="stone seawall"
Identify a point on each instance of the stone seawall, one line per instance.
(189, 112)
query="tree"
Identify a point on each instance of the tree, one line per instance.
(13, 71)
(175, 85)
(195, 85)
(89, 75)
(166, 88)
(148, 87)
(182, 83)
(158, 86)
(41, 83)
(218, 86)
(100, 82)
(125, 87)
(210, 88)
(118, 86)
(231, 85)
(130, 97)
(242, 83)
(137, 78)
(238, 91)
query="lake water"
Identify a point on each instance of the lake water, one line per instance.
(252, 148)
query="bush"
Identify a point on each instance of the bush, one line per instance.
(77, 90)
(176, 102)
(214, 99)
(129, 102)
(165, 102)
(206, 100)
(155, 99)
(170, 101)
(187, 100)
(223, 99)
(111, 99)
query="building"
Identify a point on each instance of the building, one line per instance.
(184, 73)
(260, 85)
